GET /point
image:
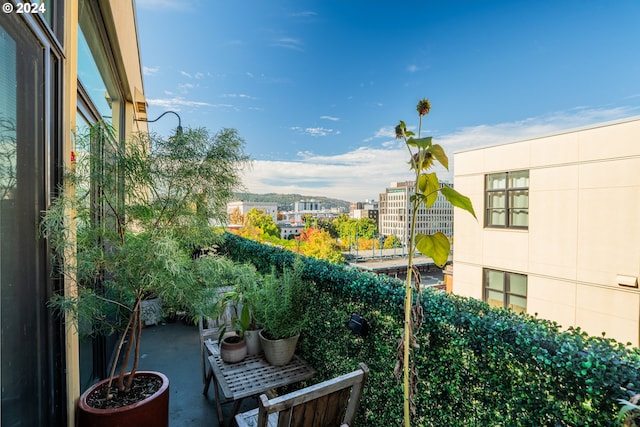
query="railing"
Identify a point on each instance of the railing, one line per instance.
(476, 365)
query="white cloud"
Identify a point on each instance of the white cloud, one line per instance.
(237, 95)
(150, 71)
(288, 43)
(412, 68)
(186, 87)
(176, 102)
(333, 119)
(184, 73)
(317, 131)
(560, 121)
(365, 172)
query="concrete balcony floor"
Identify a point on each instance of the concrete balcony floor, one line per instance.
(174, 350)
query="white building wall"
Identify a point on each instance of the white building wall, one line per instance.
(584, 226)
(270, 208)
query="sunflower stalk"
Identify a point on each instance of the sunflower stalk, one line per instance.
(422, 154)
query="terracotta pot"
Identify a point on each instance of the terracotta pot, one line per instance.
(233, 349)
(279, 352)
(150, 412)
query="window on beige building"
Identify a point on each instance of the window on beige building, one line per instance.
(505, 289)
(507, 199)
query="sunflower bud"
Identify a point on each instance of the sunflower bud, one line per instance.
(423, 107)
(399, 132)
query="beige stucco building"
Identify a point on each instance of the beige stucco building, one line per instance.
(558, 228)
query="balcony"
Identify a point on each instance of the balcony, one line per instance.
(475, 365)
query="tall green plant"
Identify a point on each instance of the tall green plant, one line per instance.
(423, 154)
(282, 301)
(126, 223)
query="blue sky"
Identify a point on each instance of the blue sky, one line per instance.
(315, 88)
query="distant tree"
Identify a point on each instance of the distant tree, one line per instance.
(319, 244)
(259, 219)
(391, 242)
(326, 224)
(367, 228)
(351, 230)
(236, 217)
(368, 244)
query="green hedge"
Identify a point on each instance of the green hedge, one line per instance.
(477, 366)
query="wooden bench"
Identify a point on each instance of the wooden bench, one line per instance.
(330, 403)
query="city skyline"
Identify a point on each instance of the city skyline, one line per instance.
(316, 87)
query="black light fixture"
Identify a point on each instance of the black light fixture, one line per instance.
(358, 325)
(178, 130)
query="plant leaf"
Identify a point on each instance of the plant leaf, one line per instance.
(438, 152)
(428, 185)
(422, 143)
(435, 246)
(458, 200)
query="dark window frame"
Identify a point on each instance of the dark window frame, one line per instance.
(506, 288)
(38, 118)
(507, 192)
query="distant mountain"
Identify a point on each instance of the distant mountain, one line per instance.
(286, 201)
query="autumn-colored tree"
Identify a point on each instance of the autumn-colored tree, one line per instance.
(319, 244)
(236, 217)
(391, 242)
(259, 219)
(364, 244)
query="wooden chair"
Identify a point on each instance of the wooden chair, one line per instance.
(331, 403)
(209, 329)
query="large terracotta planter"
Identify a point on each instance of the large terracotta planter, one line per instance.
(150, 412)
(279, 352)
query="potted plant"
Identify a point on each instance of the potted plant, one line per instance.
(281, 310)
(233, 347)
(124, 227)
(241, 299)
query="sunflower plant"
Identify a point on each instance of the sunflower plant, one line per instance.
(423, 155)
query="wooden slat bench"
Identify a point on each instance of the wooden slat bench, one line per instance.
(328, 404)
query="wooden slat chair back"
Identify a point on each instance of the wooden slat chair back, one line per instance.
(332, 403)
(209, 329)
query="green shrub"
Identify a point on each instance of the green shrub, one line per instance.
(477, 365)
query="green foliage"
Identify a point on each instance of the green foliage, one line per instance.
(392, 242)
(281, 303)
(318, 243)
(128, 221)
(350, 229)
(263, 221)
(325, 224)
(476, 365)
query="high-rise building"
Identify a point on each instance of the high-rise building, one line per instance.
(395, 211)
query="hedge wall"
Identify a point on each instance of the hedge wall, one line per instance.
(477, 366)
